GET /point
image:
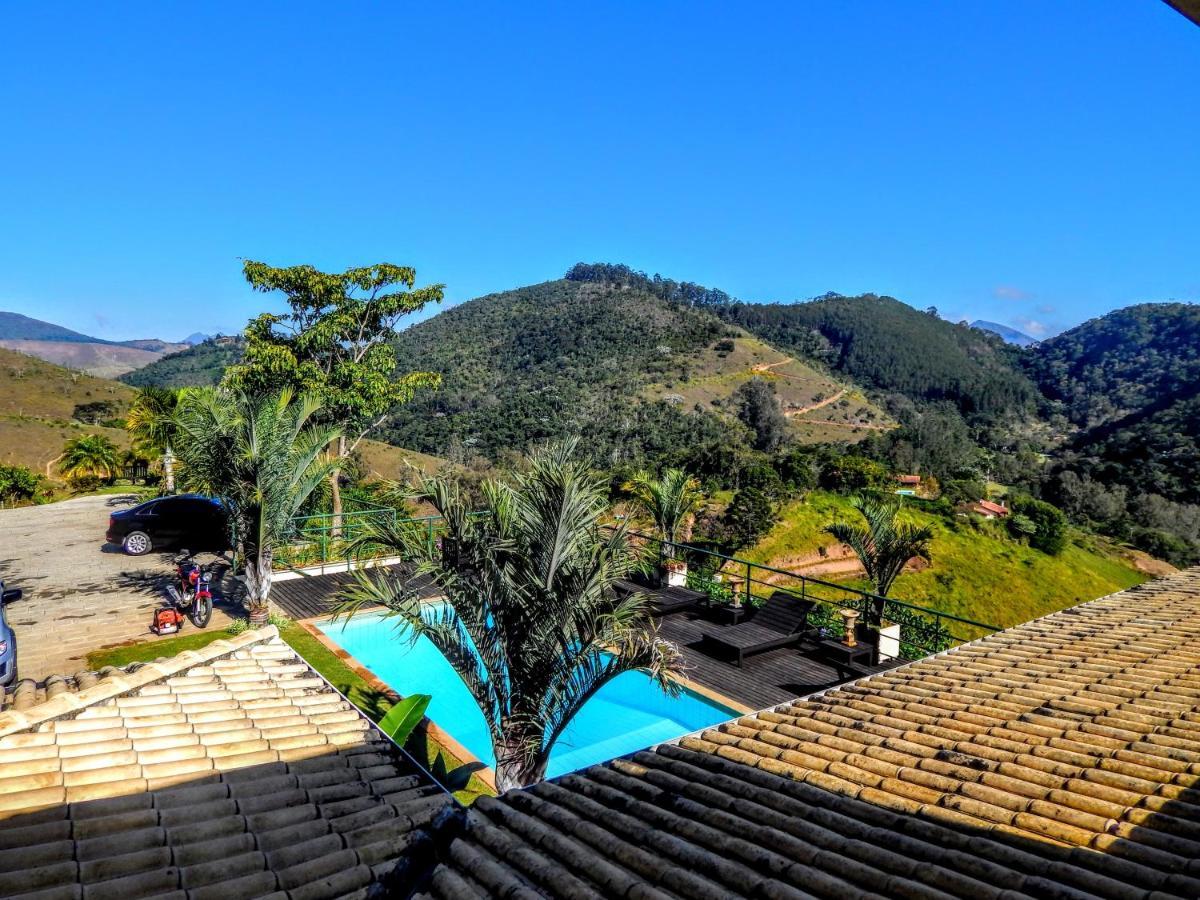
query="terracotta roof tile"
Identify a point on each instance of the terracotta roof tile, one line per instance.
(232, 772)
(1060, 758)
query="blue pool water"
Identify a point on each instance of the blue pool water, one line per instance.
(628, 714)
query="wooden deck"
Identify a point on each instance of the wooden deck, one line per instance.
(768, 679)
(312, 596)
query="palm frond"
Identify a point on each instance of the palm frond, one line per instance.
(530, 620)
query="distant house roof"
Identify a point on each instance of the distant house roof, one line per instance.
(233, 771)
(909, 479)
(1060, 758)
(996, 509)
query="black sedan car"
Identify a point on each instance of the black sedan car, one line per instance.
(189, 521)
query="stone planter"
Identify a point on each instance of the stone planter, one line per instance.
(259, 616)
(849, 621)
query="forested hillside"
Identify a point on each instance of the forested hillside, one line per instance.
(877, 341)
(1121, 363)
(202, 364)
(551, 360)
(888, 345)
(1130, 381)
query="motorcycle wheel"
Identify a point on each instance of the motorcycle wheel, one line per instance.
(201, 611)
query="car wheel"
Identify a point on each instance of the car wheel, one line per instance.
(137, 543)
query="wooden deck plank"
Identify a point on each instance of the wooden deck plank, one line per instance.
(767, 679)
(314, 595)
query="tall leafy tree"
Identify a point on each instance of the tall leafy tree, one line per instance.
(670, 500)
(758, 408)
(882, 542)
(530, 621)
(90, 455)
(335, 343)
(264, 456)
(151, 424)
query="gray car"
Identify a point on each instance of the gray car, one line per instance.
(8, 640)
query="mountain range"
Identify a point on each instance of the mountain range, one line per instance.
(1102, 419)
(74, 350)
(1011, 335)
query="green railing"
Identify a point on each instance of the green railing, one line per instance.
(725, 579)
(734, 581)
(317, 539)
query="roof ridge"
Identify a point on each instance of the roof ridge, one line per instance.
(126, 681)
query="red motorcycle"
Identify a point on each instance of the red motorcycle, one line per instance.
(191, 597)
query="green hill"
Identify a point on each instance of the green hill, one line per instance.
(41, 407)
(1131, 381)
(636, 376)
(889, 346)
(548, 361)
(197, 366)
(977, 570)
(818, 406)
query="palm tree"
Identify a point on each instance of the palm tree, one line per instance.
(151, 423)
(883, 545)
(92, 454)
(264, 457)
(671, 501)
(530, 621)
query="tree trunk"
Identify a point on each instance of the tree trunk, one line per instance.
(875, 611)
(258, 586)
(515, 767)
(335, 490)
(169, 470)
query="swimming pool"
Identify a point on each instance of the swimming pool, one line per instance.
(627, 714)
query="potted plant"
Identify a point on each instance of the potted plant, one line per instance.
(671, 502)
(675, 572)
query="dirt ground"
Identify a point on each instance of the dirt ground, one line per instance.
(81, 594)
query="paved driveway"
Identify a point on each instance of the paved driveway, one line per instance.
(80, 595)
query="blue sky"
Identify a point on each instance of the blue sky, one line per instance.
(1032, 163)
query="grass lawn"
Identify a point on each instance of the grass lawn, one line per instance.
(373, 703)
(976, 571)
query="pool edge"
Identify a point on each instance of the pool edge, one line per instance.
(445, 740)
(429, 728)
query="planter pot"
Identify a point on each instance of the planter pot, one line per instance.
(259, 617)
(849, 617)
(889, 641)
(675, 574)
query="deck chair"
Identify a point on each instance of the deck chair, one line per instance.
(781, 622)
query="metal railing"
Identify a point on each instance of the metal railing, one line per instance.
(734, 581)
(319, 539)
(725, 579)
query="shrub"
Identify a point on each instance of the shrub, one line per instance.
(855, 473)
(1021, 526)
(1163, 545)
(18, 484)
(963, 490)
(83, 484)
(1050, 534)
(749, 516)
